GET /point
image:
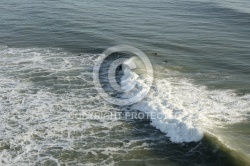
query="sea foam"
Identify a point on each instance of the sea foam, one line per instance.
(183, 110)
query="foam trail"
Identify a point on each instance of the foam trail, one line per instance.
(184, 111)
(42, 92)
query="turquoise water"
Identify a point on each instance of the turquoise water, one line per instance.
(44, 82)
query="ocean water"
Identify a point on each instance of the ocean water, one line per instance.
(47, 95)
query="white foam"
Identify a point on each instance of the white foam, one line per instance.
(184, 111)
(34, 117)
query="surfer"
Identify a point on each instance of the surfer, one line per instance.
(155, 53)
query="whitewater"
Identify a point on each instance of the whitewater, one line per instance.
(41, 88)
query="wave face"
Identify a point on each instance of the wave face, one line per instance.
(242, 6)
(184, 111)
(47, 99)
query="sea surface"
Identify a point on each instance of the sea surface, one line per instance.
(47, 95)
